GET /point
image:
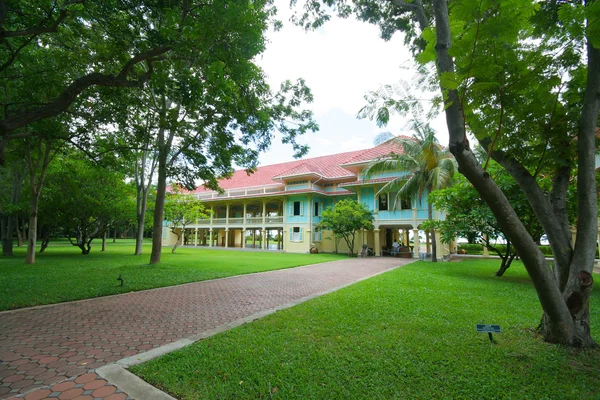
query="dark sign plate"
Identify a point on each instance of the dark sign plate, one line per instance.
(487, 328)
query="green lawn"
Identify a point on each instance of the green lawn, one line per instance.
(61, 273)
(406, 334)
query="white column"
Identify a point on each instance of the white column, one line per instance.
(196, 236)
(416, 243)
(227, 235)
(438, 243)
(376, 244)
(264, 241)
(244, 233)
(210, 237)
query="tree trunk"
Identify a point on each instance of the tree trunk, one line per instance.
(139, 239)
(142, 202)
(7, 235)
(164, 147)
(9, 223)
(18, 231)
(179, 236)
(559, 327)
(432, 233)
(104, 240)
(580, 280)
(507, 260)
(159, 207)
(23, 230)
(32, 235)
(45, 243)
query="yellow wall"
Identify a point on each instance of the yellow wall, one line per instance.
(327, 244)
(302, 246)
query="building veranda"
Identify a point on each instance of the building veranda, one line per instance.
(279, 207)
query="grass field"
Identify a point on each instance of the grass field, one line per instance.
(406, 334)
(61, 273)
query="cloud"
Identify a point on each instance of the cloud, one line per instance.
(341, 62)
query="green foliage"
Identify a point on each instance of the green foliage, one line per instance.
(82, 200)
(360, 343)
(468, 216)
(182, 209)
(345, 218)
(422, 164)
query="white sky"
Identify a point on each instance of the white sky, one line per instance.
(340, 62)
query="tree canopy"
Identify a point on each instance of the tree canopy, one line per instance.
(345, 218)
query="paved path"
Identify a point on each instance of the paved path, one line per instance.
(58, 347)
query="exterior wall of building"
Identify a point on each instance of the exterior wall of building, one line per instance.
(297, 238)
(298, 219)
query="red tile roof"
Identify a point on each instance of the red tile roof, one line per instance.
(391, 146)
(302, 169)
(329, 167)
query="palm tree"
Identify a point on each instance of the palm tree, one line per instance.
(424, 166)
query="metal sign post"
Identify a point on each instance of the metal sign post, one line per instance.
(489, 329)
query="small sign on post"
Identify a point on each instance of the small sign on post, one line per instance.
(489, 329)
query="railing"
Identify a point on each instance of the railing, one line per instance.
(240, 221)
(239, 192)
(254, 220)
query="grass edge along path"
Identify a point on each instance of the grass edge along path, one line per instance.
(408, 333)
(62, 274)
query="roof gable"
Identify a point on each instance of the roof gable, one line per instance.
(329, 167)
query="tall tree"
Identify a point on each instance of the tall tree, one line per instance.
(423, 166)
(213, 108)
(514, 73)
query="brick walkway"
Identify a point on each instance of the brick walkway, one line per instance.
(58, 347)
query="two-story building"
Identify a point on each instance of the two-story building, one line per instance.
(279, 207)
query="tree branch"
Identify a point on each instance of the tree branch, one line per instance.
(417, 8)
(70, 94)
(34, 31)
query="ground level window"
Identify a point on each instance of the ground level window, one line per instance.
(296, 234)
(317, 235)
